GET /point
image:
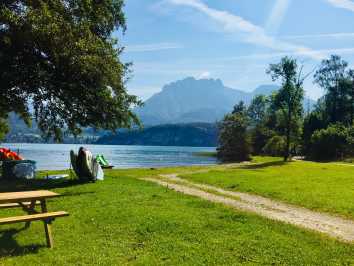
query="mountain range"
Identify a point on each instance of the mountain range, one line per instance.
(186, 101)
(196, 100)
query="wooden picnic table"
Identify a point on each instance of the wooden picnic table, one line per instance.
(28, 201)
(10, 197)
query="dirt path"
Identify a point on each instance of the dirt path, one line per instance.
(337, 227)
(345, 164)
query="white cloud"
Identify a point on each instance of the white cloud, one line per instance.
(339, 35)
(250, 33)
(216, 65)
(339, 51)
(321, 52)
(204, 75)
(152, 47)
(345, 4)
(277, 15)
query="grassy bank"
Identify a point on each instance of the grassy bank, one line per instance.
(126, 221)
(319, 186)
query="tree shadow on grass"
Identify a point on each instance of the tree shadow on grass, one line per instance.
(36, 184)
(263, 165)
(9, 246)
(75, 194)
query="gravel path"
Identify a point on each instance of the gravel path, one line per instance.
(345, 164)
(342, 229)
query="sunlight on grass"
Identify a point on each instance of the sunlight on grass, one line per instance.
(123, 220)
(320, 186)
(126, 221)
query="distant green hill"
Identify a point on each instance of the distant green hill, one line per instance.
(194, 134)
(21, 133)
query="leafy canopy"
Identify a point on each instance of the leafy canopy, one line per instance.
(288, 99)
(234, 140)
(59, 57)
(338, 83)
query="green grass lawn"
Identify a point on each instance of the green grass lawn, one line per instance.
(126, 221)
(327, 187)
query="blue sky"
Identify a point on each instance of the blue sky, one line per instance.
(234, 40)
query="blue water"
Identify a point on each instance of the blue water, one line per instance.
(57, 156)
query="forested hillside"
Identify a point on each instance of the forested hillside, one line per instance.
(196, 134)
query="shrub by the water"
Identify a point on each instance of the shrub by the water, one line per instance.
(234, 141)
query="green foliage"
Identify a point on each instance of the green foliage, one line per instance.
(4, 129)
(234, 140)
(349, 153)
(260, 135)
(334, 142)
(336, 80)
(315, 120)
(264, 122)
(257, 111)
(350, 94)
(279, 117)
(59, 56)
(327, 129)
(240, 109)
(275, 146)
(288, 100)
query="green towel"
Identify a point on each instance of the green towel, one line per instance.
(101, 160)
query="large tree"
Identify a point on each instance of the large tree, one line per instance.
(59, 63)
(337, 105)
(351, 94)
(288, 99)
(332, 77)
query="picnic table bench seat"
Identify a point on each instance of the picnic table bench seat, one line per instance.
(15, 205)
(46, 216)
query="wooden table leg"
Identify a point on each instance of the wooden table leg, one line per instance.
(30, 210)
(47, 226)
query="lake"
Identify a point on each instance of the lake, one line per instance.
(57, 156)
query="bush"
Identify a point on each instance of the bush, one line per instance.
(234, 141)
(275, 146)
(350, 141)
(260, 135)
(331, 143)
(314, 121)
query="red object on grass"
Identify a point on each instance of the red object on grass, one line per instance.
(7, 154)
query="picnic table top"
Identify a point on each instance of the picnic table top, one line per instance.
(10, 197)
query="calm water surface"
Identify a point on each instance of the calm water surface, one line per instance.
(57, 156)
